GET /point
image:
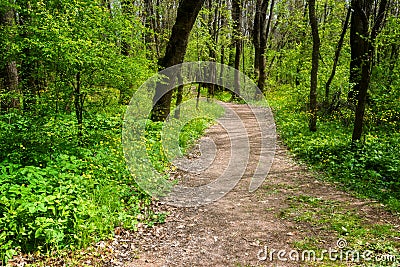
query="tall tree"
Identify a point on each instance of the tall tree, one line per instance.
(151, 36)
(314, 68)
(213, 30)
(362, 38)
(256, 38)
(8, 69)
(264, 34)
(237, 25)
(175, 53)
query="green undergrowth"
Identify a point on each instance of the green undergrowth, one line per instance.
(370, 168)
(58, 193)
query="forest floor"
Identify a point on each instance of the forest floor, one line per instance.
(294, 211)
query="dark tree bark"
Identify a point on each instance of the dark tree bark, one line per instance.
(29, 75)
(213, 29)
(151, 36)
(79, 99)
(394, 56)
(362, 11)
(314, 69)
(337, 55)
(157, 25)
(358, 34)
(264, 34)
(221, 71)
(9, 72)
(237, 21)
(256, 38)
(179, 96)
(175, 52)
(29, 79)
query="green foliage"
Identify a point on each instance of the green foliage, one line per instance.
(224, 96)
(56, 191)
(192, 131)
(371, 168)
(58, 40)
(154, 147)
(202, 40)
(57, 195)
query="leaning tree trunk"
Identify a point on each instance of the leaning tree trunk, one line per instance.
(337, 54)
(314, 69)
(175, 53)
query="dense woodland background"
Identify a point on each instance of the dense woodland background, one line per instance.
(330, 70)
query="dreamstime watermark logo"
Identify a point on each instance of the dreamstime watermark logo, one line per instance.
(339, 253)
(136, 123)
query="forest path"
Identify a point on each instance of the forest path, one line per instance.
(234, 230)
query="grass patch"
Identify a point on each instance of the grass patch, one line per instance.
(335, 217)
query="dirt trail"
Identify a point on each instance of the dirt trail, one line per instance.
(234, 230)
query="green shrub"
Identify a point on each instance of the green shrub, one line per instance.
(55, 194)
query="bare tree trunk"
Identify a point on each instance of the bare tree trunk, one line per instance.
(394, 55)
(212, 46)
(175, 53)
(314, 69)
(264, 34)
(79, 99)
(12, 78)
(9, 72)
(223, 24)
(358, 32)
(237, 20)
(179, 96)
(151, 36)
(256, 38)
(157, 27)
(337, 55)
(367, 58)
(221, 71)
